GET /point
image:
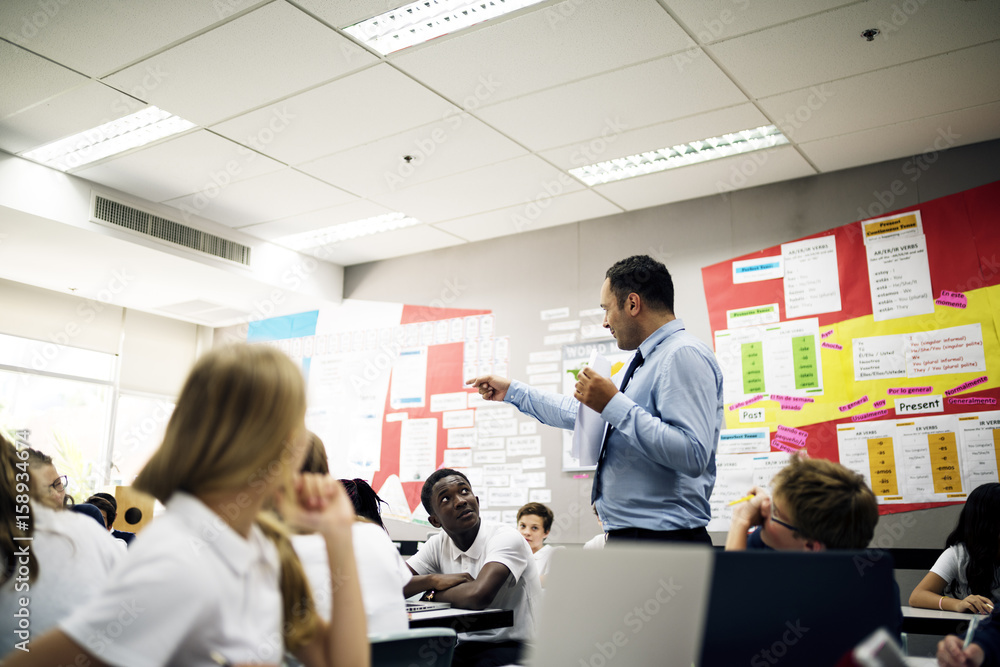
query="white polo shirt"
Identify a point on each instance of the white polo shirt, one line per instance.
(75, 559)
(495, 543)
(189, 585)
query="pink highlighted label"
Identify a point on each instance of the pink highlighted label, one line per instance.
(826, 334)
(854, 404)
(879, 404)
(832, 346)
(909, 391)
(966, 385)
(781, 398)
(749, 401)
(869, 415)
(790, 406)
(792, 435)
(784, 446)
(952, 299)
(973, 401)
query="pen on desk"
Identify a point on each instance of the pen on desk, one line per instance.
(219, 659)
(741, 500)
(972, 628)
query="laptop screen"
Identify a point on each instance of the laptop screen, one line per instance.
(796, 608)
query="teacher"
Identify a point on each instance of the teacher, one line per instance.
(656, 468)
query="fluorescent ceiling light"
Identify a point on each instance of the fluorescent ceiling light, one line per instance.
(110, 138)
(682, 155)
(422, 21)
(346, 231)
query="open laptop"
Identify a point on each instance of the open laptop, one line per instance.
(625, 605)
(796, 608)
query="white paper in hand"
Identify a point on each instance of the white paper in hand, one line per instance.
(588, 433)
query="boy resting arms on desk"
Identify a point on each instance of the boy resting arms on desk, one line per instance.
(475, 564)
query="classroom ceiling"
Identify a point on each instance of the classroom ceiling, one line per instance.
(299, 127)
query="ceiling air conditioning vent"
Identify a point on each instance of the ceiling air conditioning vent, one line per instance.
(147, 224)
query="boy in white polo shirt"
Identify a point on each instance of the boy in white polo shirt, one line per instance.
(475, 564)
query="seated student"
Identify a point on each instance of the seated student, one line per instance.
(214, 579)
(367, 503)
(382, 571)
(475, 564)
(534, 522)
(118, 534)
(966, 577)
(67, 561)
(48, 487)
(108, 515)
(597, 541)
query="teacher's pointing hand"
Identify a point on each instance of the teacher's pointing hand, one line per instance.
(491, 387)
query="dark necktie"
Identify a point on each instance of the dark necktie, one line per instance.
(629, 372)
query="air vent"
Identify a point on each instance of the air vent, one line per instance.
(147, 224)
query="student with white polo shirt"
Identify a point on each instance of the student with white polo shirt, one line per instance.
(475, 564)
(213, 580)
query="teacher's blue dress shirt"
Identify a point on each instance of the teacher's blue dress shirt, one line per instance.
(659, 468)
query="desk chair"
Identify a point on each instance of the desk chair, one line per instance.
(432, 647)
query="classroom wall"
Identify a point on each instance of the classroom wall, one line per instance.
(518, 276)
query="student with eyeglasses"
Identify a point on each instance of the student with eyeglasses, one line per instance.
(47, 485)
(51, 561)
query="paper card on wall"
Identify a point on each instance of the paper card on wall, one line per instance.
(486, 368)
(409, 379)
(554, 314)
(766, 466)
(892, 227)
(417, 449)
(475, 399)
(475, 475)
(456, 330)
(752, 415)
(296, 348)
(744, 441)
(752, 316)
(761, 268)
(559, 339)
(871, 450)
(308, 346)
(509, 517)
(591, 312)
(471, 327)
(524, 445)
(470, 354)
(490, 444)
(497, 427)
(486, 323)
(491, 515)
(496, 480)
(457, 458)
(879, 357)
(502, 469)
(527, 428)
(529, 480)
(545, 356)
(568, 325)
(458, 419)
(511, 497)
(461, 437)
(929, 459)
(812, 280)
(470, 371)
(535, 369)
(501, 369)
(533, 463)
(453, 401)
(919, 405)
(544, 378)
(540, 496)
(485, 349)
(441, 332)
(427, 333)
(484, 457)
(899, 277)
(593, 332)
(733, 479)
(396, 416)
(501, 349)
(952, 350)
(979, 436)
(494, 410)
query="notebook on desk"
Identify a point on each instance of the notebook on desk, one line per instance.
(627, 605)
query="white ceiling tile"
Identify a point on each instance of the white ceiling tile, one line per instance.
(927, 87)
(632, 142)
(66, 114)
(176, 167)
(259, 57)
(100, 36)
(354, 110)
(629, 98)
(408, 241)
(27, 79)
(714, 20)
(518, 181)
(829, 46)
(915, 137)
(271, 196)
(708, 178)
(343, 14)
(447, 147)
(542, 48)
(307, 222)
(552, 212)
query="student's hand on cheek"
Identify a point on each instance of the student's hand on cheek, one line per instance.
(320, 505)
(752, 511)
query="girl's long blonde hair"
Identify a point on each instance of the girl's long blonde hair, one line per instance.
(233, 428)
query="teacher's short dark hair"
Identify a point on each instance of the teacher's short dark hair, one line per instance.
(646, 277)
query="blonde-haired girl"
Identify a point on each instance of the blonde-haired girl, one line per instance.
(215, 580)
